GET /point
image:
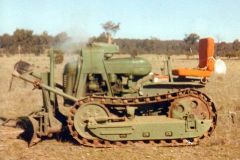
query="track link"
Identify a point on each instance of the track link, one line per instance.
(116, 101)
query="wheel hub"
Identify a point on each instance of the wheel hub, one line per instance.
(183, 107)
(84, 114)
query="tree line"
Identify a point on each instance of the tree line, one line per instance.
(188, 46)
(174, 47)
(25, 41)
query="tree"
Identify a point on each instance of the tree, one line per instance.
(23, 38)
(6, 41)
(45, 39)
(225, 49)
(236, 47)
(110, 29)
(61, 38)
(190, 40)
(101, 38)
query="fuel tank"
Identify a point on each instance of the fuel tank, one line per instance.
(128, 66)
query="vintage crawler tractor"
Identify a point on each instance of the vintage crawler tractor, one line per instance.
(111, 101)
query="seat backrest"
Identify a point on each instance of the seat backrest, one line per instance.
(206, 53)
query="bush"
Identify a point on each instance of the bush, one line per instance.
(59, 56)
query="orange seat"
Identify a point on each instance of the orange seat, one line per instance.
(206, 61)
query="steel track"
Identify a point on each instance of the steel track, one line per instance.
(116, 101)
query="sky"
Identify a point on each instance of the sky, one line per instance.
(143, 19)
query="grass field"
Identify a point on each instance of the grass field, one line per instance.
(223, 144)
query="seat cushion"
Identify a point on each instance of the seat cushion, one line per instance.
(191, 72)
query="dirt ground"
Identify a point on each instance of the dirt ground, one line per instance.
(21, 100)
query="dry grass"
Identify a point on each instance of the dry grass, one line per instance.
(224, 144)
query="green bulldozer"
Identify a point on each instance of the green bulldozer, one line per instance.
(109, 101)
